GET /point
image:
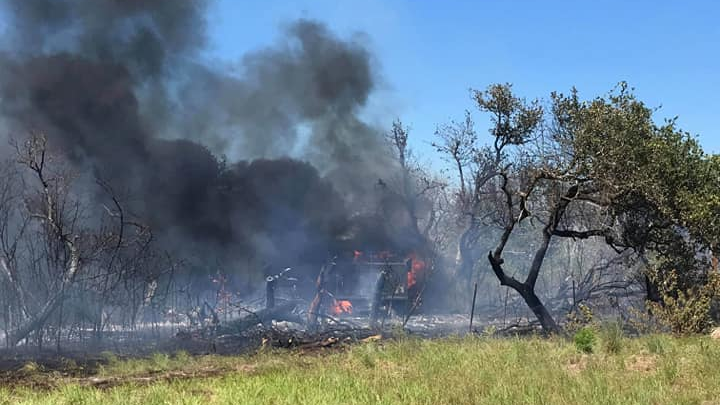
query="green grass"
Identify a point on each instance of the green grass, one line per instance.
(650, 370)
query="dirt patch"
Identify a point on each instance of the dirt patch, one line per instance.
(577, 365)
(715, 334)
(641, 363)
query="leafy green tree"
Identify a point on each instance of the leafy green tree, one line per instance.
(581, 169)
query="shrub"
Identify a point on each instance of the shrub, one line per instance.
(612, 335)
(585, 340)
(489, 331)
(30, 368)
(580, 317)
(182, 357)
(685, 311)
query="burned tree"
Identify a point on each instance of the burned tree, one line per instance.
(56, 215)
(479, 166)
(424, 203)
(421, 192)
(66, 259)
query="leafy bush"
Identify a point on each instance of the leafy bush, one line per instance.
(685, 311)
(585, 340)
(641, 322)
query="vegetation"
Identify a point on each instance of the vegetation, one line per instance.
(577, 170)
(122, 218)
(585, 340)
(646, 370)
(686, 311)
(550, 177)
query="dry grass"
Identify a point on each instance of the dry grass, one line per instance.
(651, 370)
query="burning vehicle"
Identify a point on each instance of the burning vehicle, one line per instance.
(364, 284)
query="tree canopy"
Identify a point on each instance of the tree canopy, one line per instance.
(579, 169)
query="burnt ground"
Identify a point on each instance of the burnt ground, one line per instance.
(52, 372)
(82, 363)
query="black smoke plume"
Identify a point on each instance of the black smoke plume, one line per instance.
(217, 162)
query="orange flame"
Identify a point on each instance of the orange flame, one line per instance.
(417, 269)
(357, 254)
(340, 307)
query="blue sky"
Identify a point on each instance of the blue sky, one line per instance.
(430, 52)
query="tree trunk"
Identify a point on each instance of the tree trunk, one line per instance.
(652, 293)
(316, 303)
(35, 323)
(541, 313)
(527, 292)
(465, 252)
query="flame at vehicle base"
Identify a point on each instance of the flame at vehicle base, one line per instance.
(340, 307)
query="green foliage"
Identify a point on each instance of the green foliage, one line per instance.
(670, 369)
(604, 166)
(160, 361)
(182, 356)
(514, 119)
(643, 323)
(685, 310)
(657, 182)
(109, 357)
(585, 340)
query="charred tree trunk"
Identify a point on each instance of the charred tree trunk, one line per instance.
(465, 253)
(320, 292)
(541, 313)
(652, 293)
(270, 292)
(50, 215)
(36, 323)
(526, 289)
(527, 292)
(377, 298)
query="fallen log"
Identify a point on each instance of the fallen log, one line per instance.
(304, 340)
